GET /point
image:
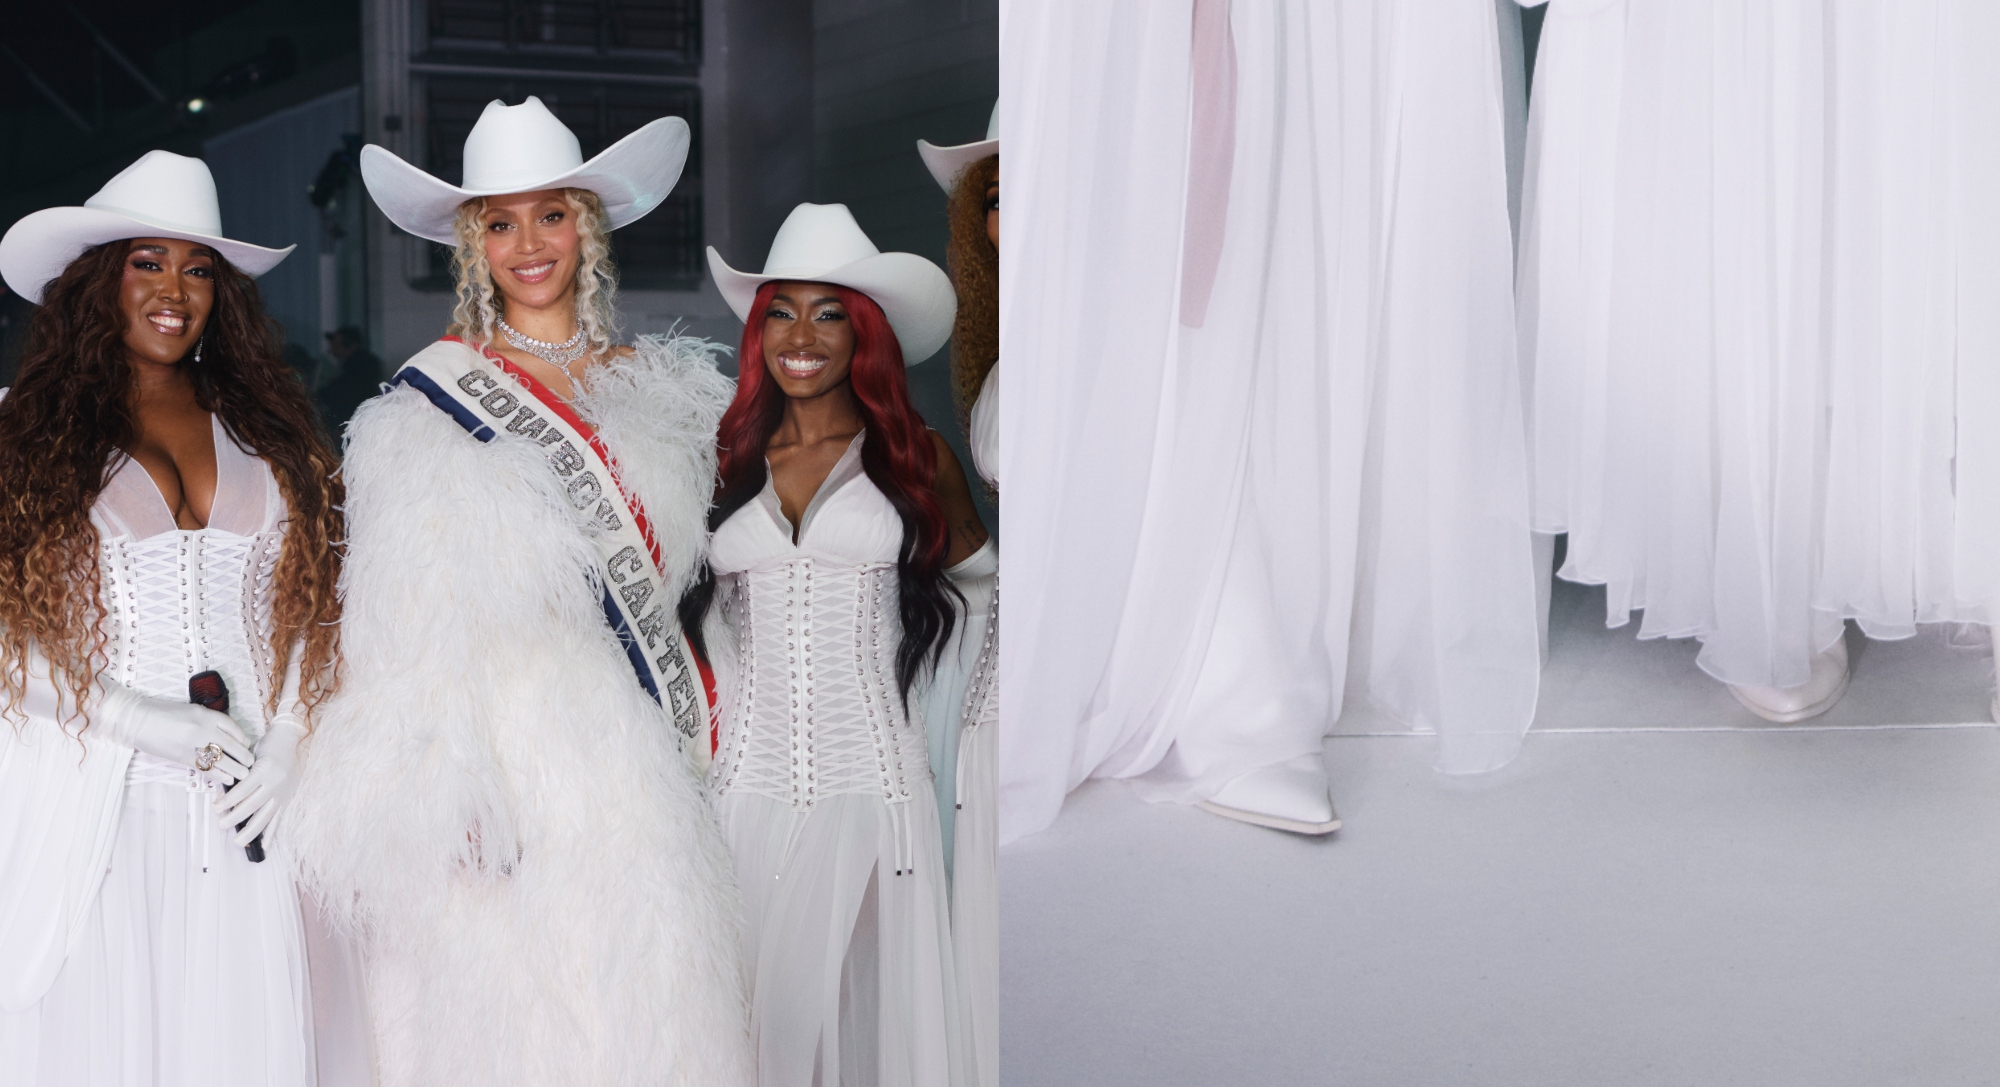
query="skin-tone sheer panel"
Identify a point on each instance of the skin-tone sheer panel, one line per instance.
(131, 503)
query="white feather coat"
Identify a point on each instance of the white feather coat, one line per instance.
(492, 803)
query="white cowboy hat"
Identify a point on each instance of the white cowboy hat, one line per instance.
(821, 243)
(524, 148)
(163, 195)
(946, 163)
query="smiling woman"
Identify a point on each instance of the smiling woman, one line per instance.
(546, 257)
(508, 810)
(167, 508)
(841, 522)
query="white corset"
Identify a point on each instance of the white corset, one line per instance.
(181, 601)
(815, 709)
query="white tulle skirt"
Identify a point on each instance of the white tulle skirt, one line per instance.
(847, 936)
(189, 969)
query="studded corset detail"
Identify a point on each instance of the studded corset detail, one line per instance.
(814, 710)
(179, 601)
(184, 601)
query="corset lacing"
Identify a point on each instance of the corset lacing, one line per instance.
(181, 602)
(818, 712)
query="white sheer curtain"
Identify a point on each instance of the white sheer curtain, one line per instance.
(1238, 502)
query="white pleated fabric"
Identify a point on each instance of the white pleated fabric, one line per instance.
(1749, 230)
(823, 781)
(1268, 454)
(1683, 461)
(1564, 293)
(188, 965)
(1912, 521)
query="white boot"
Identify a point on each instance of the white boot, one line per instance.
(1785, 705)
(1290, 795)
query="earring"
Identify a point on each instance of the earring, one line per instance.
(197, 348)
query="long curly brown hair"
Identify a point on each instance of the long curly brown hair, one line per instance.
(62, 426)
(975, 274)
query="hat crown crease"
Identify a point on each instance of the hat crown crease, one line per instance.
(169, 191)
(518, 148)
(817, 238)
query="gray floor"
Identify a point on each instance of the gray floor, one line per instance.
(1659, 891)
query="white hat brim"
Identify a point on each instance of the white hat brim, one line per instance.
(41, 244)
(914, 294)
(631, 177)
(946, 163)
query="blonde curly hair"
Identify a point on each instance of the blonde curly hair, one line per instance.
(479, 302)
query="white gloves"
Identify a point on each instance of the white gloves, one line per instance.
(260, 796)
(164, 728)
(171, 730)
(271, 783)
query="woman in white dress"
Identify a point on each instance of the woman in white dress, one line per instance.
(839, 518)
(172, 510)
(970, 175)
(503, 804)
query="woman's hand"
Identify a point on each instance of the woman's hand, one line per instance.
(174, 731)
(259, 797)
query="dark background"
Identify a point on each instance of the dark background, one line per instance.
(789, 100)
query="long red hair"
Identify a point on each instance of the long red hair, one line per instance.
(897, 453)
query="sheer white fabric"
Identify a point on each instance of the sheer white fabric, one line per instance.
(1234, 492)
(1564, 293)
(824, 784)
(1685, 471)
(1913, 360)
(188, 964)
(1749, 232)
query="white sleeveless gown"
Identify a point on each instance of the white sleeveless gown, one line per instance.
(823, 781)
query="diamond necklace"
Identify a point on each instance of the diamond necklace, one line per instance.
(555, 354)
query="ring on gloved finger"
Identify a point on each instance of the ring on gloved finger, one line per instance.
(205, 756)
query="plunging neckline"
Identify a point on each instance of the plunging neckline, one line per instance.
(215, 436)
(836, 477)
